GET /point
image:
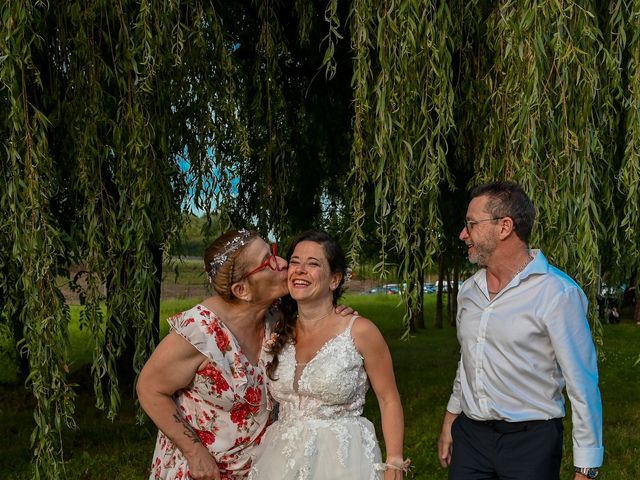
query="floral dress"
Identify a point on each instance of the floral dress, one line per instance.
(226, 403)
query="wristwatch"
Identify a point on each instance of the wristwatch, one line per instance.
(588, 472)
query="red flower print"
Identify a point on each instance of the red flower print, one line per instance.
(223, 467)
(189, 321)
(239, 414)
(206, 437)
(241, 441)
(222, 339)
(209, 326)
(258, 439)
(253, 395)
(237, 367)
(240, 411)
(213, 328)
(219, 384)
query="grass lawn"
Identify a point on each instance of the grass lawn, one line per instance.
(425, 365)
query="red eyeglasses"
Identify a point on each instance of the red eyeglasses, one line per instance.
(270, 262)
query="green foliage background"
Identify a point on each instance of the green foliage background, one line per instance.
(364, 117)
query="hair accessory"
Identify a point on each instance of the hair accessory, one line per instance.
(231, 247)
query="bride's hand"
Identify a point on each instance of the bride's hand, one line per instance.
(393, 474)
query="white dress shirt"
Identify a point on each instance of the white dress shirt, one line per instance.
(520, 350)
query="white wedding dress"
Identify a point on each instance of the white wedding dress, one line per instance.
(320, 432)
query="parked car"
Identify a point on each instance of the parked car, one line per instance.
(429, 288)
(382, 290)
(392, 288)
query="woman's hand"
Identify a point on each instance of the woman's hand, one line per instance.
(345, 310)
(202, 465)
(390, 474)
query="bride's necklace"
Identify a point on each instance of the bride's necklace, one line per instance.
(522, 267)
(313, 320)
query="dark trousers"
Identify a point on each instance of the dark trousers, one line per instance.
(499, 450)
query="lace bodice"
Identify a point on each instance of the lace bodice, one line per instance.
(332, 385)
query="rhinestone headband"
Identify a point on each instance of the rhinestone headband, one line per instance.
(231, 247)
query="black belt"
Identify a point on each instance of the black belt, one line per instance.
(502, 426)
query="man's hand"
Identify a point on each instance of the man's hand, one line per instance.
(580, 476)
(445, 441)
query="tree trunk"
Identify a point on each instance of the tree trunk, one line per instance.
(453, 311)
(636, 311)
(449, 302)
(420, 306)
(157, 253)
(439, 313)
(22, 356)
(412, 307)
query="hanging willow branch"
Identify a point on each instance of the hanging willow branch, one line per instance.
(102, 100)
(34, 235)
(629, 179)
(544, 130)
(411, 89)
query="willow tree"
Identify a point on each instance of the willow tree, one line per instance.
(403, 96)
(298, 120)
(540, 88)
(554, 127)
(100, 103)
(116, 117)
(629, 175)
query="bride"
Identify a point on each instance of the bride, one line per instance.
(319, 373)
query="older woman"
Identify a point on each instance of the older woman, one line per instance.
(320, 372)
(204, 385)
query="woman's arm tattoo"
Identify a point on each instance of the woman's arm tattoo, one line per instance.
(188, 429)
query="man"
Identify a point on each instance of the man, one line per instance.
(524, 336)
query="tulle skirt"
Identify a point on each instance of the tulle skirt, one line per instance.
(319, 449)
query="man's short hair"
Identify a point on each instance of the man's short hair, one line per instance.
(508, 199)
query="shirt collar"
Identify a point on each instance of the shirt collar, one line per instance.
(538, 266)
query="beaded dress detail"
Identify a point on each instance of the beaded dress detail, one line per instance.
(320, 432)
